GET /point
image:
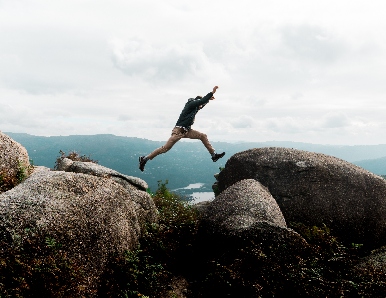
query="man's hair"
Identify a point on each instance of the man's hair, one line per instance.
(198, 97)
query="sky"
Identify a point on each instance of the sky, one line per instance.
(300, 70)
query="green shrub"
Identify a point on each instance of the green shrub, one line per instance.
(132, 274)
(163, 251)
(8, 181)
(33, 265)
(251, 269)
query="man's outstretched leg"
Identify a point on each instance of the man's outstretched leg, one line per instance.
(194, 134)
(176, 135)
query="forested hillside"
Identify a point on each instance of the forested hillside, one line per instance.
(186, 163)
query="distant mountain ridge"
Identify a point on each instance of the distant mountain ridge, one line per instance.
(186, 163)
(377, 166)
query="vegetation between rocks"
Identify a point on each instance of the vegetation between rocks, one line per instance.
(174, 248)
(74, 156)
(9, 181)
(151, 269)
(33, 265)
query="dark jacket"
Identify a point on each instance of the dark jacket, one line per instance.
(190, 110)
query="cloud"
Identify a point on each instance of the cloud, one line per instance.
(310, 43)
(40, 57)
(289, 125)
(335, 120)
(172, 62)
(124, 118)
(297, 96)
(243, 121)
(281, 58)
(297, 124)
(20, 116)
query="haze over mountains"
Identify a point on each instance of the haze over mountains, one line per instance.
(186, 163)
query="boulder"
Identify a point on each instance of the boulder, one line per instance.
(136, 186)
(242, 233)
(371, 271)
(14, 162)
(67, 165)
(246, 211)
(92, 218)
(316, 189)
(240, 206)
(375, 263)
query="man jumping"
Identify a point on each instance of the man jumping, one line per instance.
(183, 129)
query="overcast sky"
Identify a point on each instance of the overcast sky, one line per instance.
(308, 71)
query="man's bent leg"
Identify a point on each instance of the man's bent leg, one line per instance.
(174, 138)
(194, 134)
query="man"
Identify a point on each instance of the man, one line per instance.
(183, 129)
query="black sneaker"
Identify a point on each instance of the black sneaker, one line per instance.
(142, 162)
(216, 157)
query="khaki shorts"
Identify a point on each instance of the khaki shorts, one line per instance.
(177, 134)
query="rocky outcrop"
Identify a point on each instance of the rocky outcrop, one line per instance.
(91, 168)
(373, 263)
(14, 160)
(93, 213)
(316, 189)
(242, 205)
(135, 186)
(248, 212)
(93, 218)
(241, 232)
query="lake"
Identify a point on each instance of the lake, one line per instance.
(196, 192)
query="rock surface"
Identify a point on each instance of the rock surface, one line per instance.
(316, 189)
(91, 168)
(241, 205)
(13, 157)
(91, 217)
(135, 186)
(247, 211)
(375, 262)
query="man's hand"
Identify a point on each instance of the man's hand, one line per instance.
(214, 89)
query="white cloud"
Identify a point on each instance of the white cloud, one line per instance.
(170, 62)
(306, 43)
(335, 120)
(243, 121)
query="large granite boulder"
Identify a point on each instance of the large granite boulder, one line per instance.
(92, 218)
(14, 162)
(375, 263)
(246, 211)
(241, 205)
(316, 189)
(243, 238)
(91, 168)
(136, 186)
